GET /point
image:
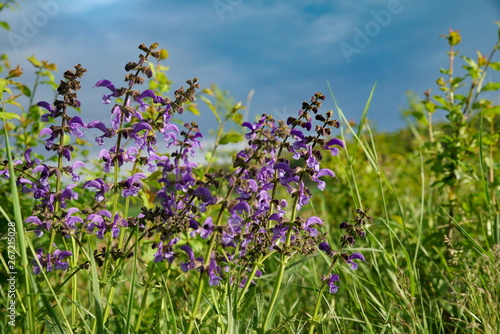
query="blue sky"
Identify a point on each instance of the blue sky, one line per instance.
(286, 51)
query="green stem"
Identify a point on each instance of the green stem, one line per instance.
(199, 292)
(284, 261)
(320, 295)
(33, 91)
(316, 309)
(277, 285)
(216, 145)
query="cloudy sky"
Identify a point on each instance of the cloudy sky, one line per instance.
(285, 51)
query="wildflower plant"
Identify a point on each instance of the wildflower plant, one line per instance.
(469, 131)
(216, 227)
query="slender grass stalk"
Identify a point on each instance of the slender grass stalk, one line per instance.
(144, 299)
(276, 290)
(317, 307)
(99, 322)
(130, 301)
(171, 310)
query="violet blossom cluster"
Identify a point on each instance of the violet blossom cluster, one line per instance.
(54, 212)
(241, 216)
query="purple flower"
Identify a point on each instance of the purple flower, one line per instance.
(5, 173)
(51, 261)
(279, 233)
(354, 256)
(106, 157)
(307, 126)
(108, 133)
(320, 173)
(170, 132)
(40, 225)
(141, 140)
(207, 228)
(102, 221)
(106, 99)
(213, 269)
(193, 262)
(334, 142)
(132, 185)
(141, 126)
(52, 111)
(304, 195)
(332, 278)
(147, 93)
(24, 182)
(75, 165)
(252, 128)
(45, 173)
(101, 187)
(68, 194)
(165, 251)
(70, 220)
(240, 207)
(49, 142)
(75, 124)
(98, 220)
(27, 157)
(286, 175)
(325, 247)
(311, 221)
(205, 197)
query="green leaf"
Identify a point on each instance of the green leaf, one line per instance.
(246, 304)
(441, 100)
(231, 137)
(35, 62)
(491, 86)
(17, 104)
(193, 108)
(208, 155)
(430, 107)
(4, 25)
(25, 90)
(3, 83)
(237, 118)
(492, 111)
(10, 115)
(495, 66)
(470, 61)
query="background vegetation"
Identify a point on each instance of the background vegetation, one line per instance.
(432, 250)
